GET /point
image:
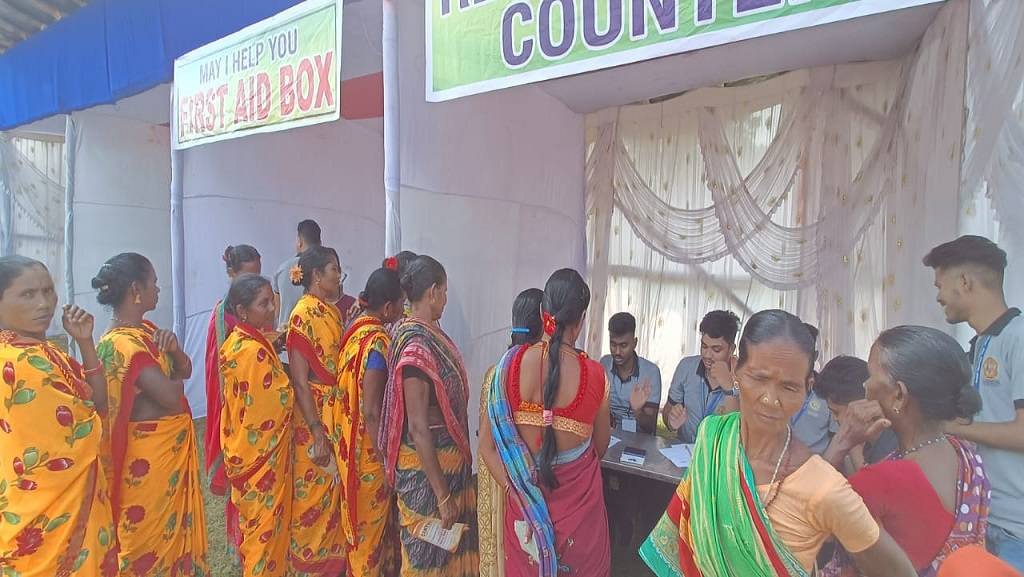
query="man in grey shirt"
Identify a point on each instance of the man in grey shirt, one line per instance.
(634, 382)
(703, 385)
(286, 294)
(813, 422)
(969, 275)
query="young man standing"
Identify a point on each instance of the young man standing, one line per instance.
(969, 277)
(634, 382)
(703, 385)
(285, 293)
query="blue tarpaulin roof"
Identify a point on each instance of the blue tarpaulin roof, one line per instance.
(112, 49)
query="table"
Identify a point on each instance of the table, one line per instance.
(655, 466)
(636, 496)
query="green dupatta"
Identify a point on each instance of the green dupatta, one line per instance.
(715, 525)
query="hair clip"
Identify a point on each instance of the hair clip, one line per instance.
(548, 416)
(295, 274)
(391, 263)
(520, 331)
(550, 324)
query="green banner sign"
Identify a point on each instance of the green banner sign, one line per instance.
(475, 46)
(277, 74)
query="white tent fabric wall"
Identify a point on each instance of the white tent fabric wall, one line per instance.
(32, 179)
(255, 190)
(492, 186)
(122, 175)
(759, 196)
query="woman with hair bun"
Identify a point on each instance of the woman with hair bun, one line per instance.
(424, 431)
(238, 260)
(153, 463)
(352, 421)
(314, 341)
(547, 427)
(932, 494)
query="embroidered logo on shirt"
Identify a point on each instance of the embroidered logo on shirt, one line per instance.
(990, 369)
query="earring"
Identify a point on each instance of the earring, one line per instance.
(896, 410)
(138, 299)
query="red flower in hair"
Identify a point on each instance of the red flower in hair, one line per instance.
(550, 324)
(391, 263)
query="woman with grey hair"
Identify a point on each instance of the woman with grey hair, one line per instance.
(931, 494)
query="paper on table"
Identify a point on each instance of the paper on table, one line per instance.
(680, 455)
(614, 441)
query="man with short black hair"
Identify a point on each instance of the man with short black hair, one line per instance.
(969, 277)
(840, 383)
(285, 293)
(634, 382)
(703, 385)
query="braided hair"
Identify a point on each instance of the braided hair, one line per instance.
(566, 298)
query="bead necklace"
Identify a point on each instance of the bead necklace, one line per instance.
(902, 454)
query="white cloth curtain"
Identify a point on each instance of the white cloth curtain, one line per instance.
(759, 196)
(993, 170)
(32, 184)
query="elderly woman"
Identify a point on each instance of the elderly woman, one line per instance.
(931, 494)
(755, 501)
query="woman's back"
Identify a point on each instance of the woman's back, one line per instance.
(581, 390)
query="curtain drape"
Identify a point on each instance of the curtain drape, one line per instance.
(761, 195)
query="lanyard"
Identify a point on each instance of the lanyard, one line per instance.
(716, 399)
(979, 360)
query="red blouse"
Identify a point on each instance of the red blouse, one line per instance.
(900, 496)
(578, 416)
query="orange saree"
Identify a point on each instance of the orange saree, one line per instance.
(318, 541)
(54, 514)
(152, 466)
(256, 438)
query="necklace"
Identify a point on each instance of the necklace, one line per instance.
(918, 447)
(778, 465)
(125, 324)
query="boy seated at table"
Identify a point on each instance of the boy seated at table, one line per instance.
(634, 382)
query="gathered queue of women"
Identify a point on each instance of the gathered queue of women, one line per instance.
(354, 456)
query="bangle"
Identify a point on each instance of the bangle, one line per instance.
(93, 370)
(445, 500)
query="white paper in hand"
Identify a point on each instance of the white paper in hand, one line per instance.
(433, 532)
(525, 535)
